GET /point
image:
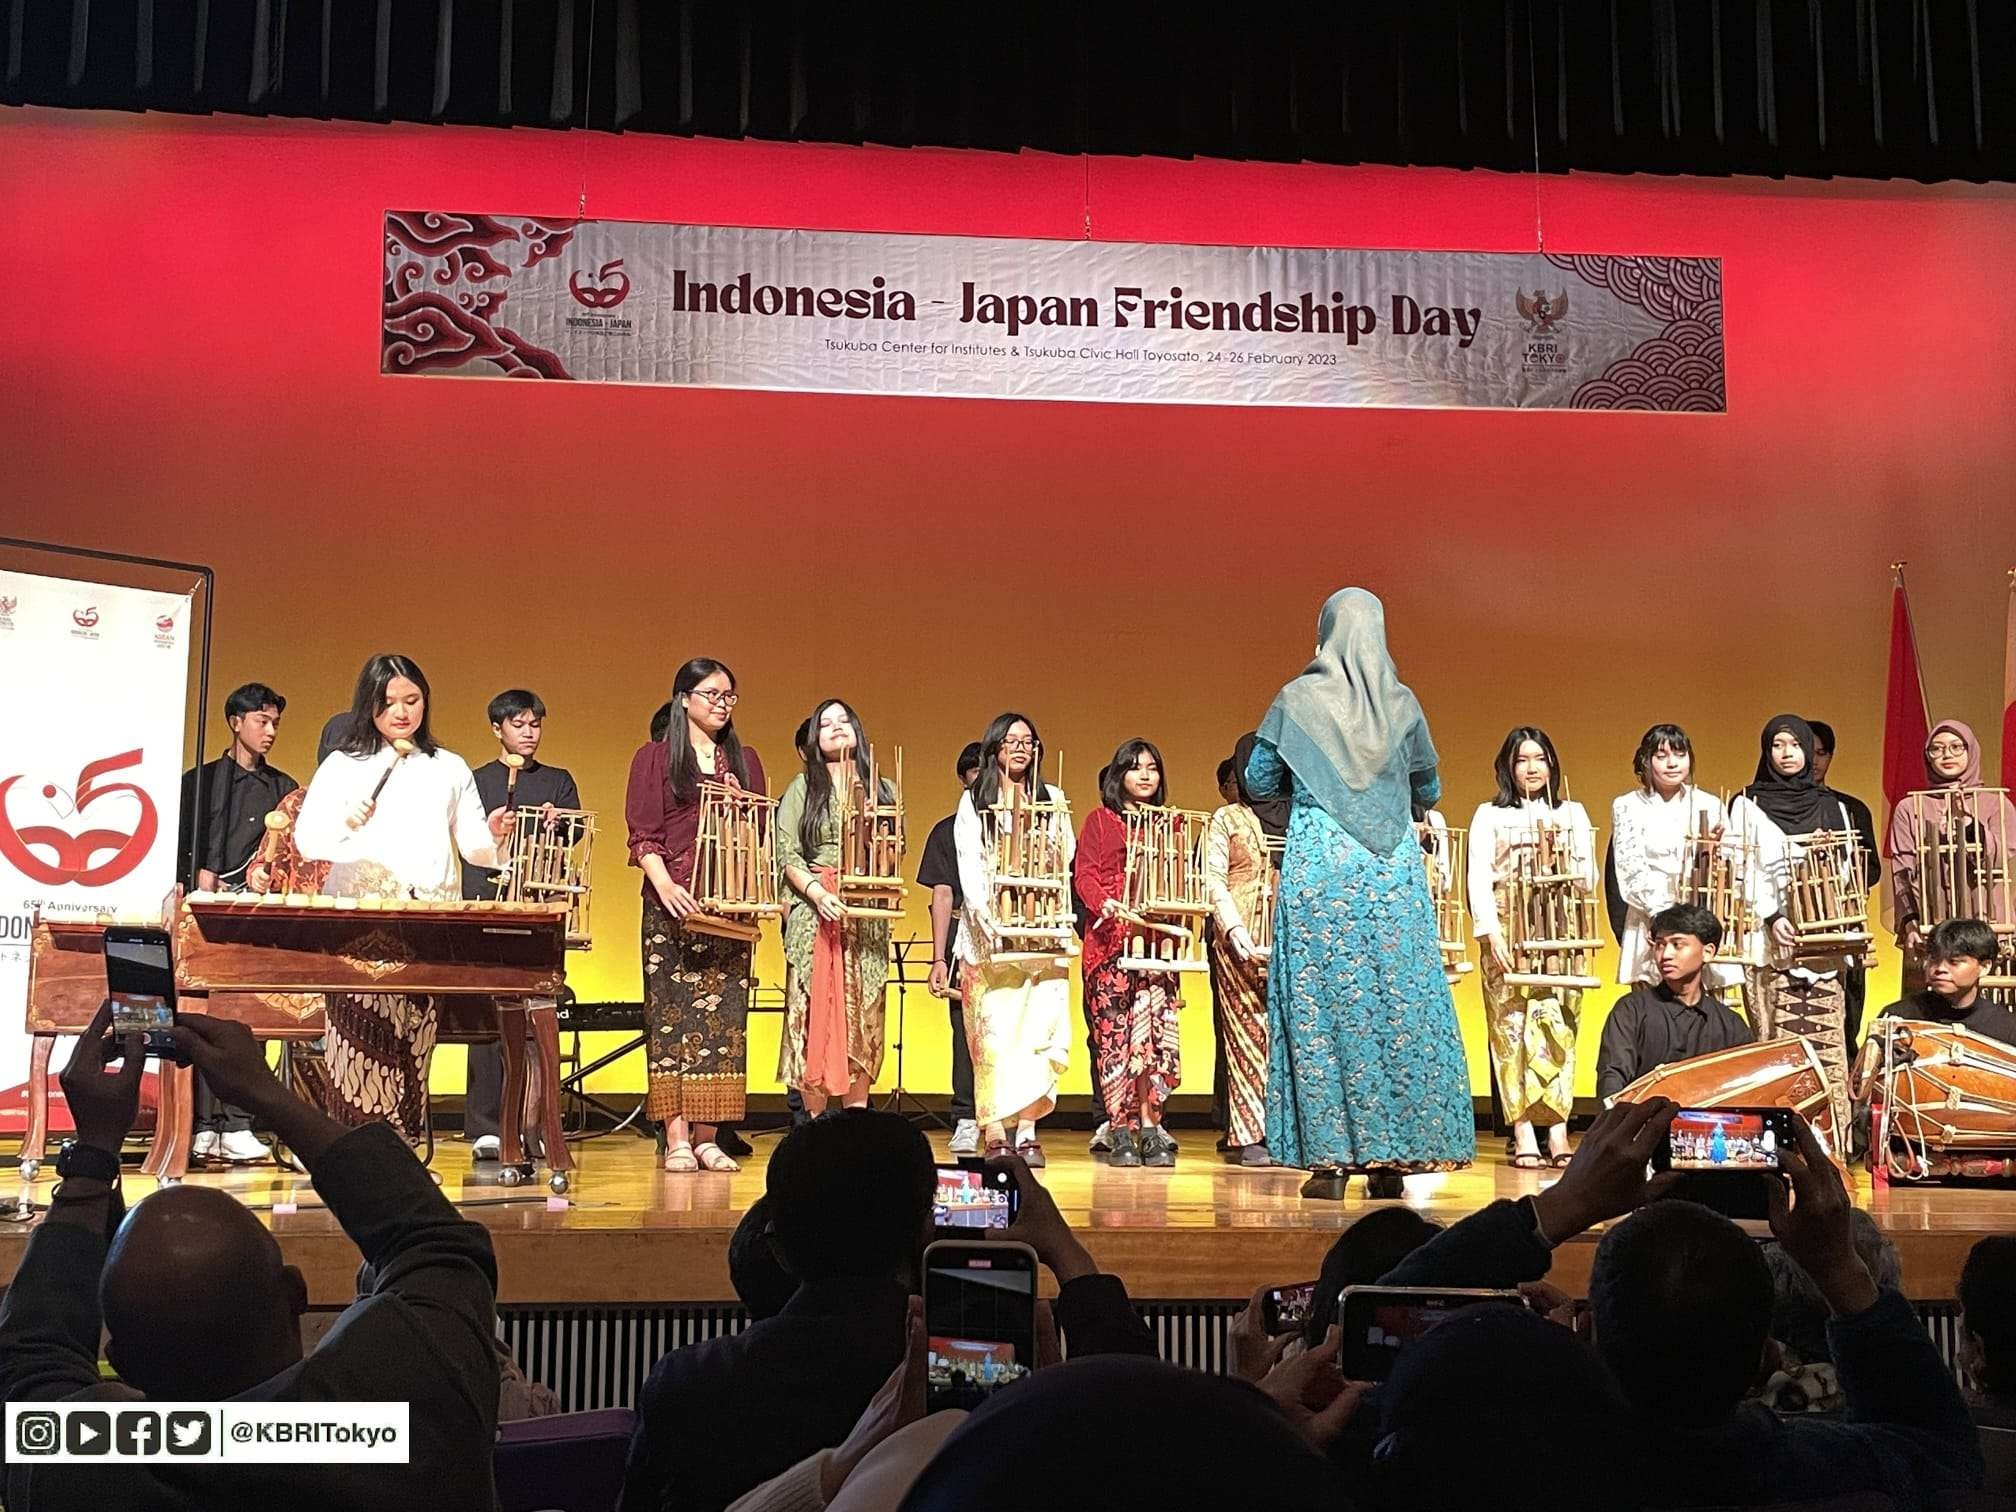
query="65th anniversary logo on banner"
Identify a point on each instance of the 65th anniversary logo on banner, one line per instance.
(991, 318)
(90, 771)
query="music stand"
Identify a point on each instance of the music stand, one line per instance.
(896, 1098)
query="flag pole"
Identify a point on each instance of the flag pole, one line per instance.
(1911, 620)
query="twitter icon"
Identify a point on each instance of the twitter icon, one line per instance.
(188, 1433)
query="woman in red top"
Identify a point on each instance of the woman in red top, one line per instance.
(1133, 1013)
(696, 986)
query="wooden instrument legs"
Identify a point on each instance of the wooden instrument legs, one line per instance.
(174, 1118)
(35, 1140)
(531, 1093)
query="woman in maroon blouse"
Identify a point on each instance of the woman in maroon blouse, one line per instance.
(696, 986)
(1133, 1013)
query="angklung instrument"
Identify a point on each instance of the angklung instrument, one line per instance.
(1963, 867)
(1029, 877)
(872, 841)
(1164, 895)
(735, 863)
(1547, 904)
(1826, 896)
(1259, 915)
(1716, 872)
(551, 861)
(1444, 853)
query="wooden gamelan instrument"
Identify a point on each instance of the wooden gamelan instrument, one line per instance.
(268, 962)
(735, 863)
(1826, 896)
(1716, 868)
(1444, 853)
(1942, 1101)
(1164, 893)
(1548, 907)
(550, 860)
(1963, 867)
(872, 842)
(1030, 878)
(1780, 1073)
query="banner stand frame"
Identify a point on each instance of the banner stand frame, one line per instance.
(207, 577)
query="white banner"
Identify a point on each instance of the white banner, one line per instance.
(95, 681)
(991, 318)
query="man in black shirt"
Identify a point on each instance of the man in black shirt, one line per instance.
(224, 808)
(1676, 1020)
(1855, 980)
(1956, 954)
(518, 720)
(939, 871)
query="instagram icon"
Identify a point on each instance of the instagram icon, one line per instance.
(37, 1433)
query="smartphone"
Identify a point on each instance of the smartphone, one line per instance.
(1285, 1309)
(140, 981)
(1727, 1157)
(979, 1320)
(1380, 1321)
(975, 1195)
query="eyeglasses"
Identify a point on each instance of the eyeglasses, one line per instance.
(1946, 748)
(1018, 743)
(719, 700)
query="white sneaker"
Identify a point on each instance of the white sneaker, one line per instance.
(966, 1138)
(489, 1147)
(242, 1147)
(204, 1145)
(1102, 1138)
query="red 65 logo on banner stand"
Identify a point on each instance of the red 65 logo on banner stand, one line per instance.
(69, 858)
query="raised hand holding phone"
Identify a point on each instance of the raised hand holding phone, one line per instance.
(104, 1105)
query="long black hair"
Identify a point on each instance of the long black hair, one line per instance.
(819, 781)
(684, 766)
(360, 736)
(1670, 736)
(1509, 795)
(1113, 781)
(987, 786)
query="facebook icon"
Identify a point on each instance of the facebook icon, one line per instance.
(139, 1433)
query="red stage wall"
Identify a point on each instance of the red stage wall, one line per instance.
(189, 322)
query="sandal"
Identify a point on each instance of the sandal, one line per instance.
(679, 1160)
(713, 1158)
(1031, 1153)
(1560, 1162)
(997, 1149)
(1526, 1160)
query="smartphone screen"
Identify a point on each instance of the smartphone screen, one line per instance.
(1378, 1322)
(974, 1195)
(140, 979)
(1286, 1308)
(1726, 1139)
(979, 1320)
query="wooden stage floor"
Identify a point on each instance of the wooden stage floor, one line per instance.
(631, 1235)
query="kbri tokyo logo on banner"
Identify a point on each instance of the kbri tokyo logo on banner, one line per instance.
(1544, 314)
(65, 858)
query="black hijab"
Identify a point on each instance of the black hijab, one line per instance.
(1797, 804)
(1218, 1440)
(1271, 812)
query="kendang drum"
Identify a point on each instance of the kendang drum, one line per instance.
(1942, 1101)
(1164, 890)
(1780, 1073)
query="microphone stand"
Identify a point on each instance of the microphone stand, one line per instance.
(899, 1099)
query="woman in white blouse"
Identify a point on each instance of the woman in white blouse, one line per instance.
(1532, 1028)
(393, 827)
(1649, 829)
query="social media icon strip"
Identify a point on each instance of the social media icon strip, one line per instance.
(97, 1431)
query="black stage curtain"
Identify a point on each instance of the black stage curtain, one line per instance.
(1922, 89)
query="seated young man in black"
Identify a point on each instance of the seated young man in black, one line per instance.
(1681, 1300)
(1679, 1018)
(1956, 954)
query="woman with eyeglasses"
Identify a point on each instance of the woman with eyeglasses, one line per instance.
(696, 986)
(1018, 1013)
(1986, 817)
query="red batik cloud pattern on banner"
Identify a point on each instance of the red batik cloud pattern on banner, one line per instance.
(446, 280)
(1681, 367)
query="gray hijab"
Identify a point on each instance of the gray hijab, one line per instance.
(1348, 721)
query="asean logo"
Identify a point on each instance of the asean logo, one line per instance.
(85, 618)
(602, 295)
(164, 622)
(9, 605)
(72, 859)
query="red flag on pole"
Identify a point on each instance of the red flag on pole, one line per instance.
(2009, 691)
(1906, 724)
